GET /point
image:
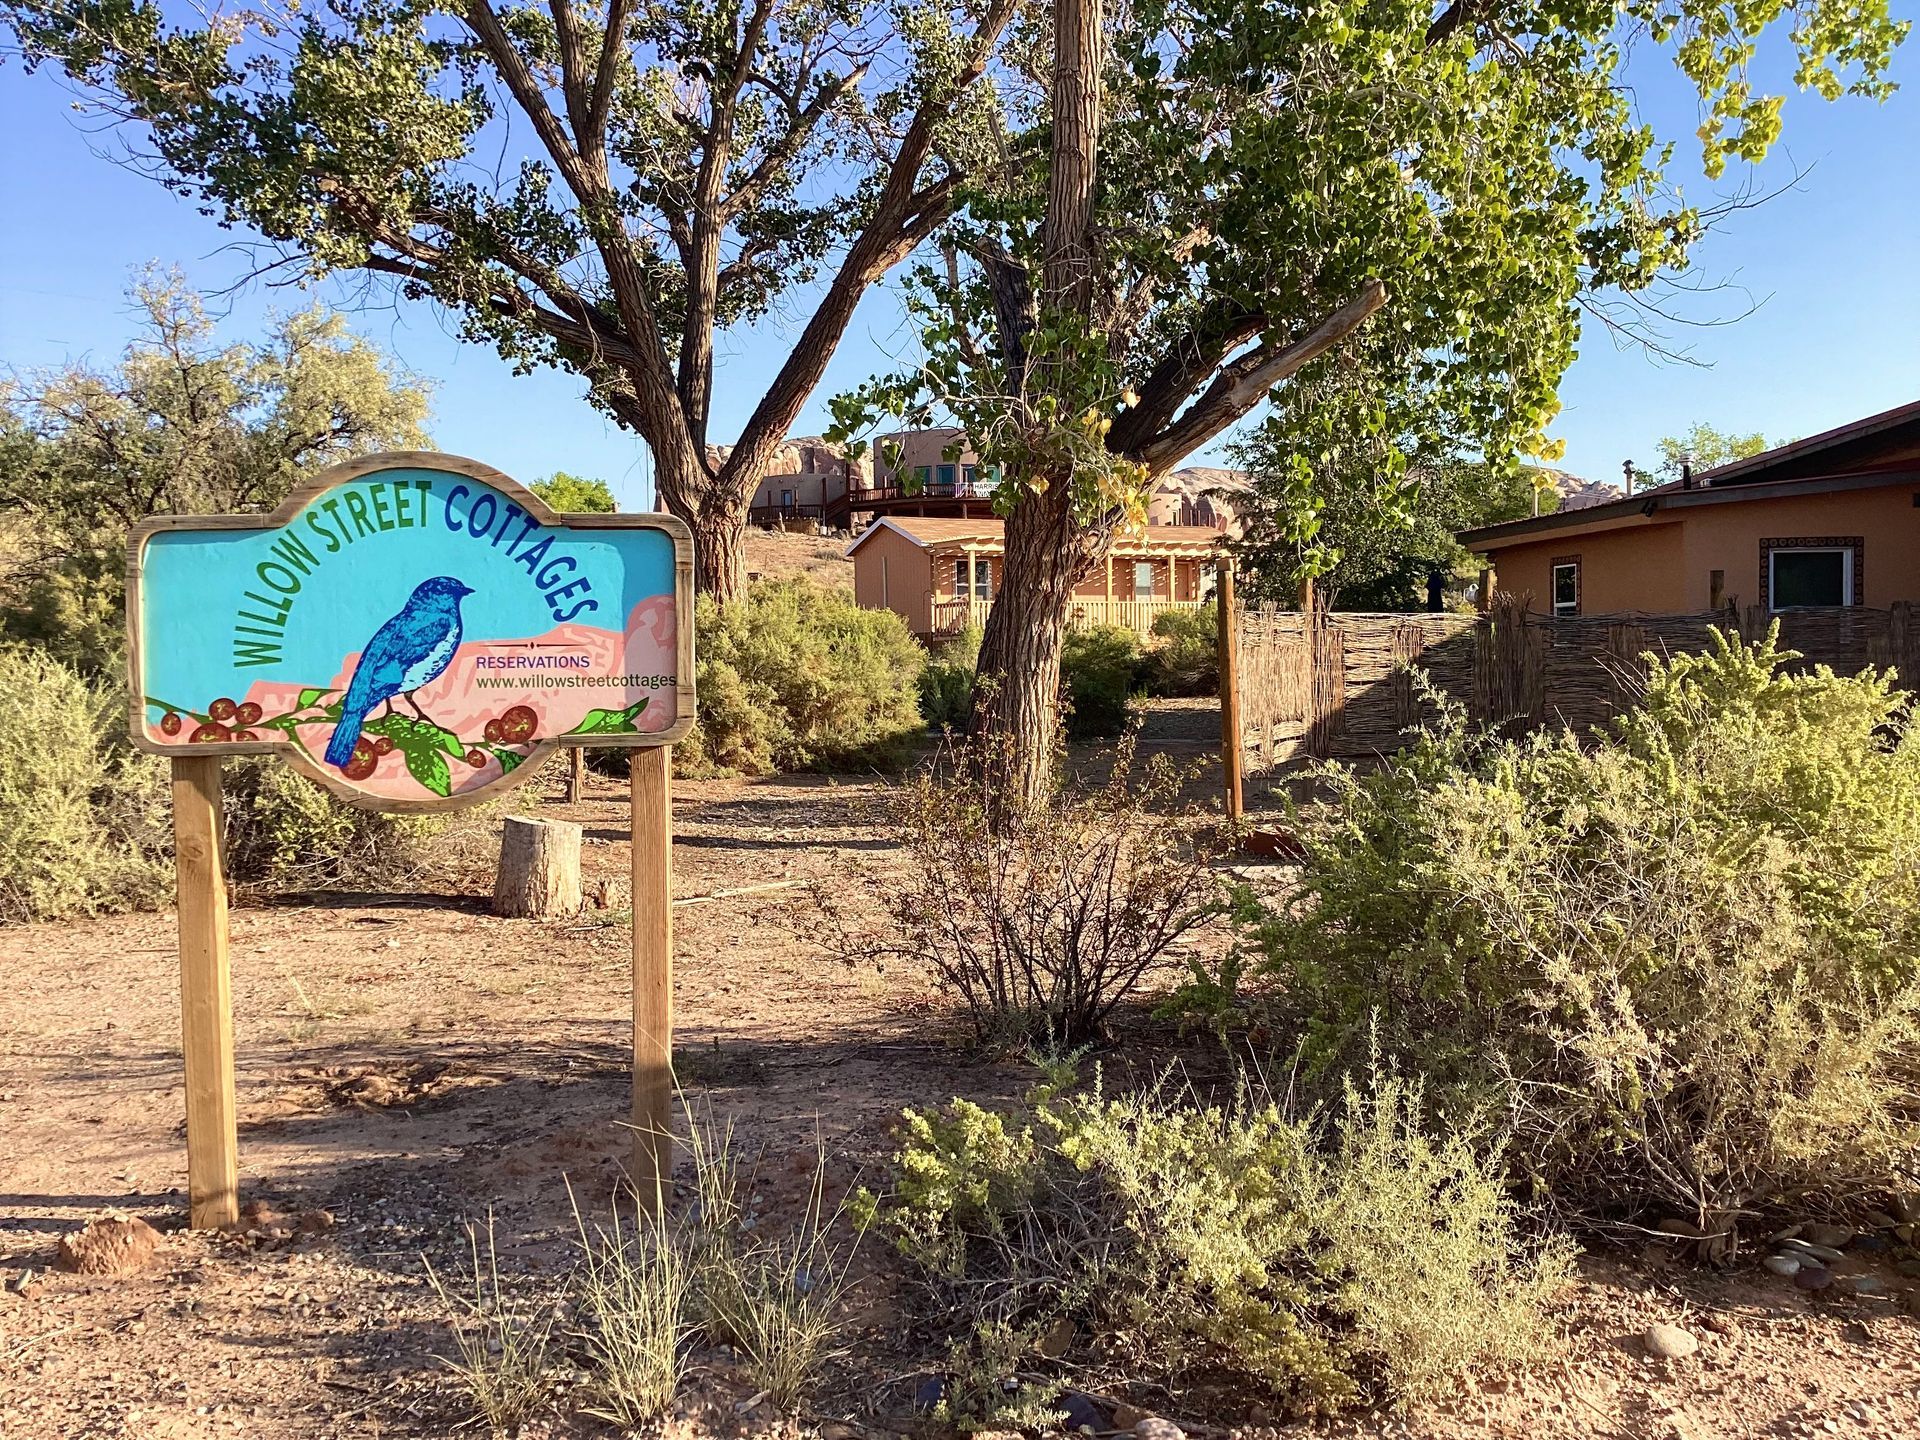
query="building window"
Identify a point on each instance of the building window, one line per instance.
(786, 499)
(1822, 571)
(921, 474)
(1566, 586)
(981, 572)
(1143, 579)
(969, 473)
(946, 476)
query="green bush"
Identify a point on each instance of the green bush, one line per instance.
(1185, 658)
(285, 832)
(1323, 1264)
(946, 685)
(1683, 958)
(1099, 671)
(795, 676)
(83, 817)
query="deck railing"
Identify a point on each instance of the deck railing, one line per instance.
(950, 616)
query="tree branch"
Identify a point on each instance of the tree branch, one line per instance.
(1241, 386)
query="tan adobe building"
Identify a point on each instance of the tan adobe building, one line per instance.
(942, 572)
(1832, 520)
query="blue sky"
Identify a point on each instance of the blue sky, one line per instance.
(1831, 263)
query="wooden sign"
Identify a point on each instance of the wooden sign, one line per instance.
(414, 631)
(410, 630)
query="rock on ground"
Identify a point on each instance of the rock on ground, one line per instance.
(110, 1246)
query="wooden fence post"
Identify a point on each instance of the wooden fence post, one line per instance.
(651, 793)
(576, 774)
(206, 995)
(1229, 645)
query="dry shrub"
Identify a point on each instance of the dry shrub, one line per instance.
(633, 1284)
(1683, 959)
(1323, 1264)
(1043, 922)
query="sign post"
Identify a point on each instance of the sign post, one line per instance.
(415, 632)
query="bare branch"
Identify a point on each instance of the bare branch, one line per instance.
(1243, 384)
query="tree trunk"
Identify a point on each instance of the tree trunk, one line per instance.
(720, 548)
(539, 873)
(1016, 697)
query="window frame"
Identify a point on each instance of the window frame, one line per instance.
(1852, 551)
(1554, 567)
(1152, 592)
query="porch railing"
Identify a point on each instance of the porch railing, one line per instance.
(951, 616)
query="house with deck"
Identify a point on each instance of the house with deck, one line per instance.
(942, 573)
(1831, 521)
(812, 482)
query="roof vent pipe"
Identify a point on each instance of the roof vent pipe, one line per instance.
(1686, 474)
(1626, 467)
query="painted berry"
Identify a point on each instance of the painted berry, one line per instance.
(247, 713)
(476, 757)
(495, 732)
(518, 724)
(222, 710)
(383, 745)
(210, 733)
(361, 763)
(170, 723)
(245, 735)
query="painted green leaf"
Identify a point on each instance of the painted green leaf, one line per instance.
(410, 734)
(429, 767)
(610, 722)
(509, 759)
(311, 696)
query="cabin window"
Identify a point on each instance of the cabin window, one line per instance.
(946, 476)
(921, 474)
(1801, 573)
(972, 575)
(969, 473)
(1566, 586)
(786, 499)
(1143, 579)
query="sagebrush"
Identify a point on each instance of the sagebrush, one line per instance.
(794, 675)
(1178, 1238)
(1184, 659)
(946, 685)
(84, 824)
(1682, 957)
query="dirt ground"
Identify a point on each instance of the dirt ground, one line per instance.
(409, 1063)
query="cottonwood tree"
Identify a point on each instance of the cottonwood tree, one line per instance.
(1203, 197)
(184, 424)
(602, 186)
(1704, 447)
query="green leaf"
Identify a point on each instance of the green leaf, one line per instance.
(408, 734)
(311, 696)
(610, 722)
(429, 767)
(509, 759)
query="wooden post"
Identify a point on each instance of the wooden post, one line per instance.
(652, 840)
(1717, 591)
(1485, 602)
(206, 996)
(577, 771)
(1306, 596)
(1229, 643)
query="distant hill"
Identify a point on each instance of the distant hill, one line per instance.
(1578, 494)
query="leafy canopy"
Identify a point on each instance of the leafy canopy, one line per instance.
(575, 494)
(185, 424)
(1267, 166)
(601, 187)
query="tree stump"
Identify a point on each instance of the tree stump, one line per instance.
(539, 873)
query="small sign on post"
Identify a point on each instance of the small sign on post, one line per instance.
(415, 632)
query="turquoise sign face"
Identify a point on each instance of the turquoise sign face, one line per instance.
(411, 630)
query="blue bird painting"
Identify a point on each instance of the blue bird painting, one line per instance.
(404, 654)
